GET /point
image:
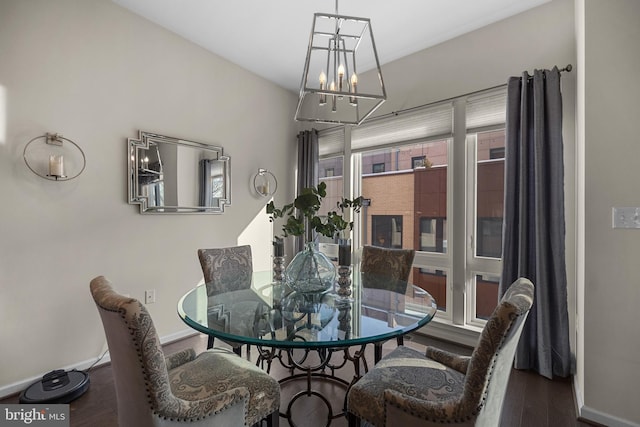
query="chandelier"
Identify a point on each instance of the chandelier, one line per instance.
(332, 90)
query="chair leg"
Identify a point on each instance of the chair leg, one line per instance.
(352, 420)
(273, 419)
(377, 352)
(210, 342)
(237, 349)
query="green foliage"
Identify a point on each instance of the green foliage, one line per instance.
(306, 207)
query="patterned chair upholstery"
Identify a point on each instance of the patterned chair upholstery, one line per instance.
(385, 268)
(408, 388)
(226, 269)
(389, 269)
(214, 388)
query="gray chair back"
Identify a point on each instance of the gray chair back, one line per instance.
(226, 269)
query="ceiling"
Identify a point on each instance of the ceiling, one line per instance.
(270, 37)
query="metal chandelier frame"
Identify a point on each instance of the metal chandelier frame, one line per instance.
(339, 46)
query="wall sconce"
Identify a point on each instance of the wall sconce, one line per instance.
(48, 157)
(265, 183)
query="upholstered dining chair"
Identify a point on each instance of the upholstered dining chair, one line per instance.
(226, 269)
(214, 388)
(409, 388)
(384, 268)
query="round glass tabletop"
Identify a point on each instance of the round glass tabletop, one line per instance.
(270, 314)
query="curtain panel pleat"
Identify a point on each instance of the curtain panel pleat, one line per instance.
(534, 223)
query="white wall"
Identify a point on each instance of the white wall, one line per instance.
(97, 74)
(608, 131)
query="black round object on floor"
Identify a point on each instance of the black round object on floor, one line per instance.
(57, 386)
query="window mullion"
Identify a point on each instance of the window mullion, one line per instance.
(456, 208)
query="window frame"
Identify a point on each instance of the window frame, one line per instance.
(459, 263)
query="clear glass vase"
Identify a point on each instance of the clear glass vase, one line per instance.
(310, 271)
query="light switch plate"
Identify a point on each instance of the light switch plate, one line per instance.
(626, 217)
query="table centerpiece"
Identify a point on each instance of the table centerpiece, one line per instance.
(310, 270)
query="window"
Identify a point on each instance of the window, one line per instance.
(334, 181)
(430, 172)
(418, 162)
(433, 281)
(377, 168)
(433, 235)
(496, 153)
(386, 231)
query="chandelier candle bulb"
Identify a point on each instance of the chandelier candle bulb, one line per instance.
(332, 88)
(56, 165)
(323, 81)
(354, 89)
(340, 77)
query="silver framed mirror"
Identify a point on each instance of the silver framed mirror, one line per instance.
(173, 175)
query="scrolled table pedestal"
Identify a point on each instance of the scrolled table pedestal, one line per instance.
(308, 370)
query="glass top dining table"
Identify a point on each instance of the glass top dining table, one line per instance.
(271, 314)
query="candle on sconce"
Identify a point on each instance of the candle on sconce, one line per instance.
(344, 252)
(56, 165)
(278, 247)
(354, 89)
(323, 81)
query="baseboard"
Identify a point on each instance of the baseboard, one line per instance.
(591, 415)
(18, 386)
(466, 336)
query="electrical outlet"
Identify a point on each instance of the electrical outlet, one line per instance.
(626, 217)
(150, 296)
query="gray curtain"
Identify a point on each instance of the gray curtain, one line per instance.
(534, 226)
(307, 167)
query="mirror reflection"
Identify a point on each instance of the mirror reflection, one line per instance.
(171, 175)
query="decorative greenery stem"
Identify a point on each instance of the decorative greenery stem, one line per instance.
(304, 210)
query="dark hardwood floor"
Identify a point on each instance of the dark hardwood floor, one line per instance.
(531, 400)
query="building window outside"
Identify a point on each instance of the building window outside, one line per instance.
(486, 291)
(386, 231)
(496, 153)
(418, 162)
(433, 235)
(378, 168)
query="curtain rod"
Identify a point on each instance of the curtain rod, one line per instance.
(567, 69)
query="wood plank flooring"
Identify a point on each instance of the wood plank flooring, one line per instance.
(531, 400)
